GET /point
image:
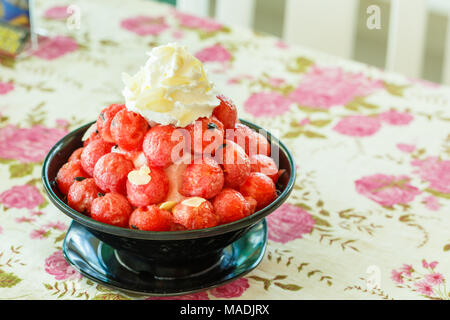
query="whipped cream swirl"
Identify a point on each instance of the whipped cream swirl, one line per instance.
(171, 88)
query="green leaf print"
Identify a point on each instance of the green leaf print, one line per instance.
(290, 287)
(6, 161)
(293, 134)
(8, 280)
(311, 134)
(110, 296)
(60, 237)
(319, 123)
(36, 115)
(358, 102)
(43, 204)
(19, 170)
(395, 90)
(321, 222)
(300, 65)
(438, 194)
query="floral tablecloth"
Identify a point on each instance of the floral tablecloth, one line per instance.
(370, 214)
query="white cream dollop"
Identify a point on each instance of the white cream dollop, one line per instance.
(171, 88)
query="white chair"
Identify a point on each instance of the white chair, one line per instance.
(329, 25)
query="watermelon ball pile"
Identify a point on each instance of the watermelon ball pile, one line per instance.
(126, 174)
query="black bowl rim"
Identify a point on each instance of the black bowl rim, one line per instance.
(167, 235)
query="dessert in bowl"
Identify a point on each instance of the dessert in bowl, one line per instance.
(172, 177)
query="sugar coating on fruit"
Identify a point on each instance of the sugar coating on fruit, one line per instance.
(140, 177)
(67, 174)
(81, 194)
(158, 145)
(230, 206)
(260, 187)
(76, 155)
(112, 208)
(152, 192)
(92, 153)
(204, 179)
(206, 135)
(265, 165)
(128, 129)
(251, 141)
(195, 217)
(235, 163)
(111, 172)
(151, 218)
(105, 118)
(226, 112)
(171, 88)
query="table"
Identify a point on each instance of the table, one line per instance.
(369, 216)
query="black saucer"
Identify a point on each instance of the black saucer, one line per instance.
(99, 262)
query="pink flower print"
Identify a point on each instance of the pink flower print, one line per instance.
(397, 276)
(387, 190)
(215, 53)
(324, 88)
(427, 265)
(396, 118)
(424, 288)
(28, 144)
(24, 196)
(288, 223)
(408, 148)
(56, 225)
(407, 269)
(231, 290)
(1, 229)
(144, 25)
(62, 123)
(432, 203)
(267, 104)
(6, 87)
(280, 44)
(38, 234)
(178, 34)
(239, 78)
(24, 219)
(56, 13)
(304, 122)
(434, 278)
(57, 266)
(276, 82)
(53, 48)
(37, 213)
(435, 171)
(358, 126)
(193, 22)
(433, 264)
(191, 296)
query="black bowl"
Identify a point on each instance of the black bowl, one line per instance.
(171, 254)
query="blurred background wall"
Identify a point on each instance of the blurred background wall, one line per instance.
(368, 45)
